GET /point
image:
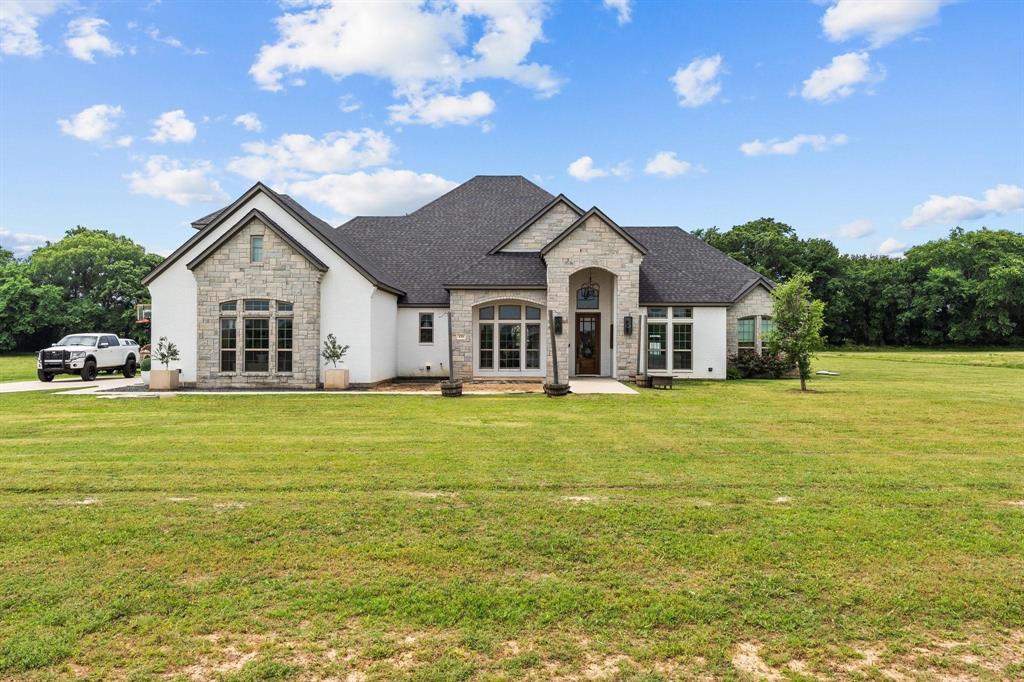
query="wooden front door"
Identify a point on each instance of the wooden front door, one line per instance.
(588, 343)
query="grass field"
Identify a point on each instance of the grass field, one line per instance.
(869, 529)
(17, 367)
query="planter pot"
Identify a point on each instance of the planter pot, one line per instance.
(556, 390)
(164, 379)
(643, 381)
(145, 377)
(451, 389)
(336, 379)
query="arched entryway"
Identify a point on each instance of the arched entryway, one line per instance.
(592, 322)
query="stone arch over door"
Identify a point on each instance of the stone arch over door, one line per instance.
(591, 321)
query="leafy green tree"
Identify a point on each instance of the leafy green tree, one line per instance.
(99, 275)
(798, 321)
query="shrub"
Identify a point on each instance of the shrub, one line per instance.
(147, 364)
(753, 365)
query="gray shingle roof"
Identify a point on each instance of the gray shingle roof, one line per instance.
(526, 270)
(446, 244)
(681, 268)
(424, 250)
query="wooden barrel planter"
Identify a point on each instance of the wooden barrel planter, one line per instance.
(451, 389)
(643, 381)
(556, 390)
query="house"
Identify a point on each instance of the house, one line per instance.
(251, 296)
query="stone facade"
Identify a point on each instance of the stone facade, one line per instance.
(283, 275)
(596, 245)
(548, 226)
(757, 304)
(461, 309)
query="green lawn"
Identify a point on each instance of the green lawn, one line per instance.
(874, 526)
(17, 367)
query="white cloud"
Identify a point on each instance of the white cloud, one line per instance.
(19, 25)
(348, 104)
(169, 179)
(622, 9)
(818, 143)
(423, 49)
(21, 243)
(249, 121)
(124, 141)
(298, 157)
(840, 78)
(154, 33)
(92, 123)
(697, 83)
(442, 109)
(173, 126)
(855, 229)
(666, 163)
(881, 21)
(382, 192)
(583, 169)
(85, 40)
(891, 247)
(999, 200)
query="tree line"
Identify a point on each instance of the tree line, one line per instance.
(967, 288)
(964, 289)
(90, 280)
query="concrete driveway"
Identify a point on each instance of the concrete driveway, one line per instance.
(66, 382)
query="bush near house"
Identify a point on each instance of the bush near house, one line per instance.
(754, 365)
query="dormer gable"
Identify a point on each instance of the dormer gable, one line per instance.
(543, 226)
(593, 220)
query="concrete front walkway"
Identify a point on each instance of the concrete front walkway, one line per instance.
(72, 384)
(583, 385)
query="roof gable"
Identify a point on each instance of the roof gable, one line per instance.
(548, 222)
(320, 229)
(594, 212)
(272, 226)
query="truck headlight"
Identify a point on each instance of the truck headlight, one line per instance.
(75, 354)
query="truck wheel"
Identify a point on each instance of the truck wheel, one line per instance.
(89, 370)
(43, 376)
(129, 368)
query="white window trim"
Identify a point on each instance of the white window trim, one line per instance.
(420, 328)
(670, 320)
(496, 371)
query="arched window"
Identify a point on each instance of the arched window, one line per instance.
(512, 341)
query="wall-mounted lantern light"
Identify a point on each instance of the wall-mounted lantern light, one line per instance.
(558, 324)
(627, 325)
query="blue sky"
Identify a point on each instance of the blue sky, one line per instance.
(878, 125)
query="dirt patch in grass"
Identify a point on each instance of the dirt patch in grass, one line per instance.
(746, 658)
(429, 494)
(181, 499)
(1015, 503)
(582, 499)
(230, 505)
(782, 499)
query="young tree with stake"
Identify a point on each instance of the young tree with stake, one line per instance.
(798, 321)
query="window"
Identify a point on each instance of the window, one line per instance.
(678, 311)
(284, 307)
(508, 345)
(111, 341)
(228, 344)
(682, 347)
(256, 249)
(657, 344)
(657, 312)
(767, 326)
(257, 305)
(229, 306)
(588, 297)
(257, 345)
(426, 327)
(533, 345)
(509, 312)
(284, 344)
(745, 333)
(487, 344)
(513, 342)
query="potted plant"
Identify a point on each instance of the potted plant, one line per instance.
(165, 379)
(146, 365)
(336, 378)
